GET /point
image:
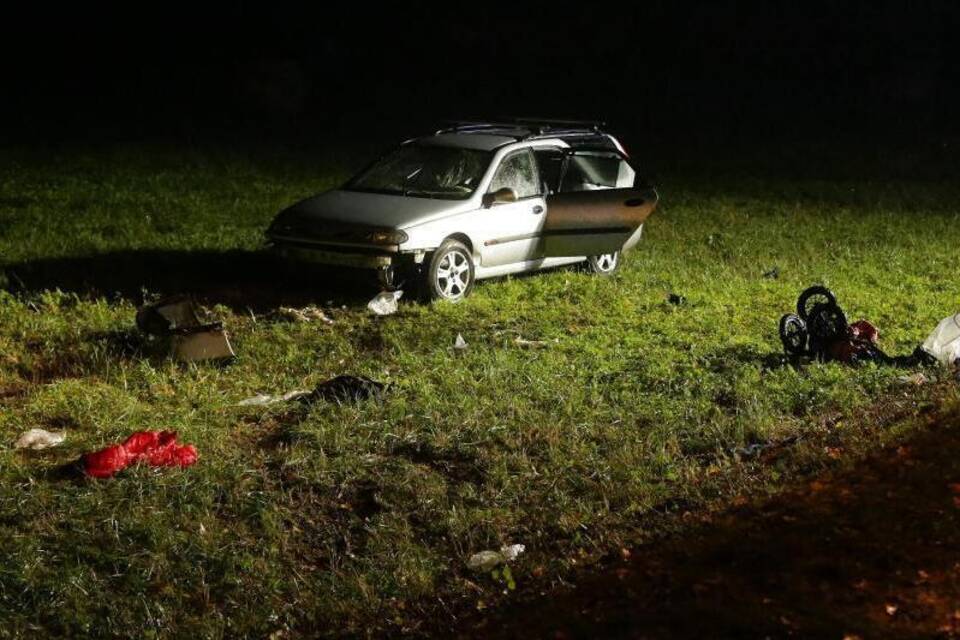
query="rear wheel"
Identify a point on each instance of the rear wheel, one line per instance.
(451, 273)
(604, 264)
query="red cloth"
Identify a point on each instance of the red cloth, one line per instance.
(865, 331)
(156, 448)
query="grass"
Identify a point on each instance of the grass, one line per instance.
(358, 519)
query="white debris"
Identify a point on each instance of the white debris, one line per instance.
(523, 342)
(385, 303)
(265, 400)
(307, 314)
(488, 560)
(914, 379)
(459, 344)
(39, 439)
(944, 343)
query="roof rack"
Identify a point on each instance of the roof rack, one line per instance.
(527, 128)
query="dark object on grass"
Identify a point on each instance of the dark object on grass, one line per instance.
(192, 339)
(345, 389)
(676, 299)
(772, 274)
(820, 330)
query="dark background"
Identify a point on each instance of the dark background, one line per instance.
(666, 74)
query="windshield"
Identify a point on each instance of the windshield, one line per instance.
(426, 172)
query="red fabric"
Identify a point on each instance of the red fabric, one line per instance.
(865, 331)
(156, 448)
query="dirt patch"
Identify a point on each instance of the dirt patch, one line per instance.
(872, 552)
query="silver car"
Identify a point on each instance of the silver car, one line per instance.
(474, 201)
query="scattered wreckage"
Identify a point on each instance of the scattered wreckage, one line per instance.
(819, 330)
(192, 337)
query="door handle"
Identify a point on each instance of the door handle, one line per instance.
(538, 209)
(634, 202)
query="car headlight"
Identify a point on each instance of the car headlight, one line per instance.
(387, 236)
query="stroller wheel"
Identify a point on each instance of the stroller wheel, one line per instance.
(793, 334)
(812, 297)
(826, 324)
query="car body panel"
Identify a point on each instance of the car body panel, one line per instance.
(594, 222)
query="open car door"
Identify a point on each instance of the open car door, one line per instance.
(598, 205)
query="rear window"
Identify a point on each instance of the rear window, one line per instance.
(588, 171)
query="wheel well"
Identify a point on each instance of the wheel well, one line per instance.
(459, 237)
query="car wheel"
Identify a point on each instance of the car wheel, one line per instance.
(450, 276)
(604, 264)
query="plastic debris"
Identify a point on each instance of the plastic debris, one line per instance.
(489, 560)
(37, 439)
(772, 274)
(307, 314)
(156, 448)
(916, 379)
(523, 342)
(385, 303)
(192, 339)
(944, 343)
(460, 344)
(676, 299)
(264, 400)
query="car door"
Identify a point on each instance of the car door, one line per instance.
(598, 206)
(511, 230)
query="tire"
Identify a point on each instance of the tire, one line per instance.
(450, 275)
(604, 264)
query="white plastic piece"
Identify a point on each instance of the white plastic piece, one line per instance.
(385, 303)
(488, 560)
(944, 343)
(265, 400)
(39, 439)
(460, 344)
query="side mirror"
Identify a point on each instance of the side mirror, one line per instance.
(506, 194)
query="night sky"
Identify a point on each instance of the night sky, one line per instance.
(719, 70)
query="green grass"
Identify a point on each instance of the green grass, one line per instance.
(359, 518)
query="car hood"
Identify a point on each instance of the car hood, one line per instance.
(357, 208)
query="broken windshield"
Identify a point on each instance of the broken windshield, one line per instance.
(425, 172)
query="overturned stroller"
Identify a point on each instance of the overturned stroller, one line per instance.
(819, 330)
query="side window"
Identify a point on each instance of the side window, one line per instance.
(517, 172)
(550, 164)
(591, 170)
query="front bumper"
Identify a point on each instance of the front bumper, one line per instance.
(321, 255)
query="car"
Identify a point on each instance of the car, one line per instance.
(477, 200)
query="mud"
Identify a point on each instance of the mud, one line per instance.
(872, 552)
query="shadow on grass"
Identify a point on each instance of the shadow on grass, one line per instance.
(242, 280)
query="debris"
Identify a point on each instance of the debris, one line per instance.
(772, 274)
(676, 299)
(820, 330)
(156, 448)
(523, 342)
(39, 439)
(307, 314)
(205, 344)
(914, 379)
(488, 560)
(193, 339)
(460, 344)
(344, 389)
(944, 343)
(264, 400)
(385, 303)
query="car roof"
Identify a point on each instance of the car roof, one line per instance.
(483, 141)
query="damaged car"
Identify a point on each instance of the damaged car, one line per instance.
(477, 200)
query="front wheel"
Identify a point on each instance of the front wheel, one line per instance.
(451, 273)
(604, 264)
